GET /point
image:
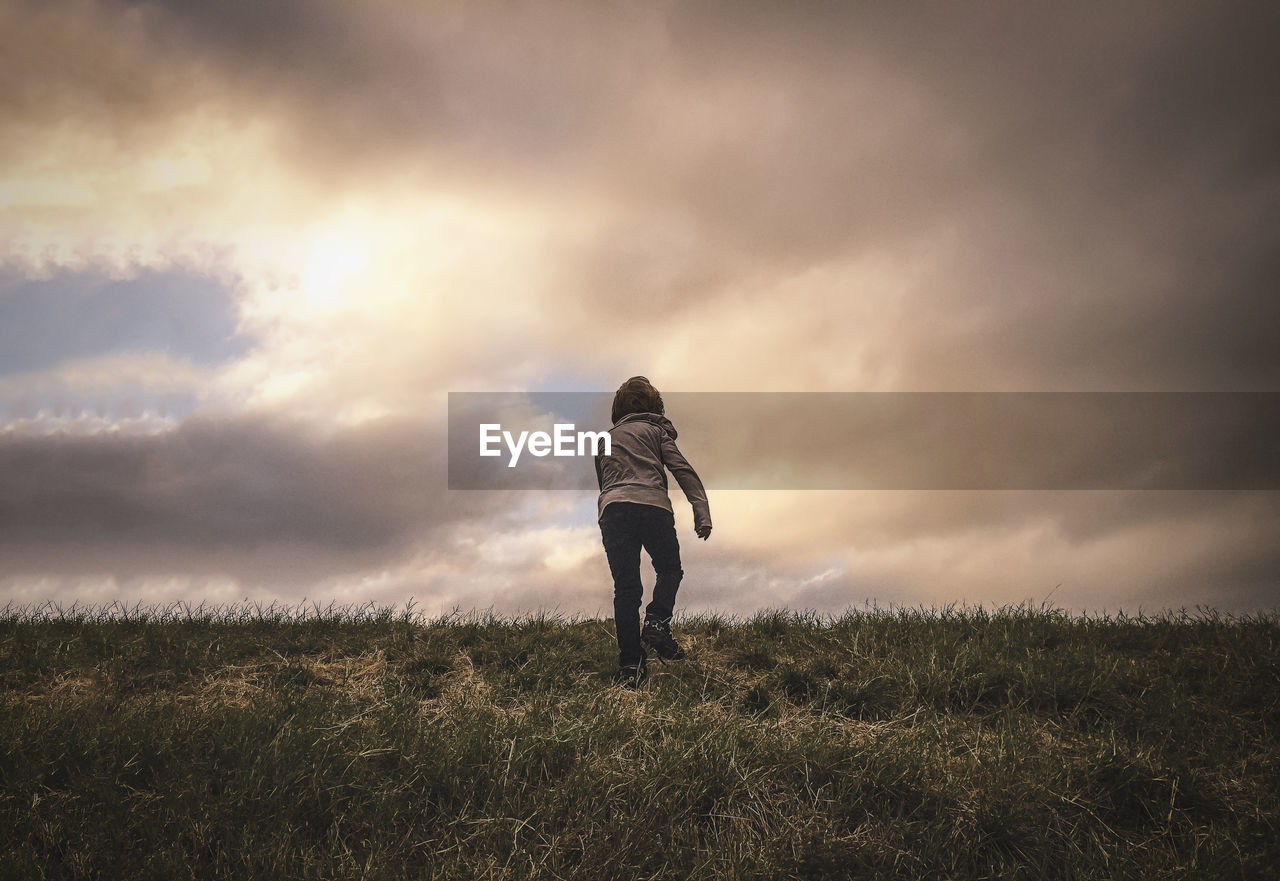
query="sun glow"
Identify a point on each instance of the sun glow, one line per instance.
(333, 260)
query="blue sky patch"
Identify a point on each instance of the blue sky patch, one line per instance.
(47, 322)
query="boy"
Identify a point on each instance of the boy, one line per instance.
(635, 512)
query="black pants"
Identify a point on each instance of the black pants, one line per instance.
(625, 527)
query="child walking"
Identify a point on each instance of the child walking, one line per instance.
(636, 512)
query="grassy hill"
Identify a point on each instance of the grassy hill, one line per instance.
(371, 743)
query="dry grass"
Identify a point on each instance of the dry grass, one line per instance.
(914, 744)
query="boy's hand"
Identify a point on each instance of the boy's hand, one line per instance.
(703, 531)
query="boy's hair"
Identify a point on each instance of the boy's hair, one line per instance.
(636, 395)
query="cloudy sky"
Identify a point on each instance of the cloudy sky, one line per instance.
(247, 249)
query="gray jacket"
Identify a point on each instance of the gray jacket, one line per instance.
(642, 445)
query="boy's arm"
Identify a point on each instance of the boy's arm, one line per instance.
(689, 482)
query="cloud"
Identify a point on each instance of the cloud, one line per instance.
(234, 484)
(993, 180)
(402, 200)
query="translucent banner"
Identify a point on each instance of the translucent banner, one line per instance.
(887, 440)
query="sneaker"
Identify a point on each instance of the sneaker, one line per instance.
(631, 676)
(657, 636)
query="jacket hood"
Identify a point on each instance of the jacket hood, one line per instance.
(661, 421)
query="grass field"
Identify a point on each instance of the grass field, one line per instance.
(372, 743)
